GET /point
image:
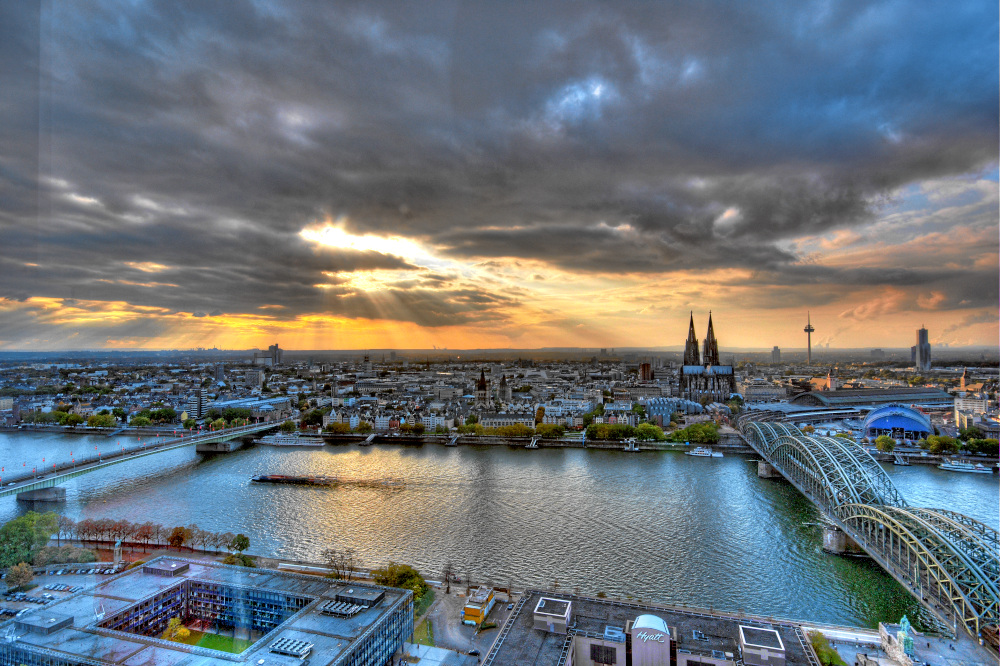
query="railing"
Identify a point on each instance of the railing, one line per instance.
(61, 473)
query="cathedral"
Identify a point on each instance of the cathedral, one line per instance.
(703, 374)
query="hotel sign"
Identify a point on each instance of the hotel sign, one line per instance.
(646, 637)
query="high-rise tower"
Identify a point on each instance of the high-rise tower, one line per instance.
(691, 355)
(711, 355)
(809, 339)
(921, 352)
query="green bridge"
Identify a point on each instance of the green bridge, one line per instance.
(44, 486)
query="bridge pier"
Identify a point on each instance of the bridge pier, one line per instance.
(53, 494)
(766, 471)
(837, 542)
(219, 447)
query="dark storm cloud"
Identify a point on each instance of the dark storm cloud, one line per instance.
(601, 138)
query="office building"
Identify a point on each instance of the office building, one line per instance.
(920, 353)
(270, 357)
(279, 618)
(776, 355)
(195, 407)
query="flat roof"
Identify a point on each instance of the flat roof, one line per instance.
(524, 645)
(758, 637)
(330, 636)
(550, 606)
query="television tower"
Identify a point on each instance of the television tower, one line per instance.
(809, 339)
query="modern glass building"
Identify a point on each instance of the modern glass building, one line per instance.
(234, 615)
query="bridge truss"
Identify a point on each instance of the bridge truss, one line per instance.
(949, 561)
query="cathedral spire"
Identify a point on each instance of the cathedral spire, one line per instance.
(691, 356)
(711, 355)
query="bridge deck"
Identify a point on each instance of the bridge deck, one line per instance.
(64, 473)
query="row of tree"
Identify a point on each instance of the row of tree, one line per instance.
(108, 530)
(346, 565)
(943, 445)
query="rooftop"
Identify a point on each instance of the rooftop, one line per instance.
(87, 641)
(698, 631)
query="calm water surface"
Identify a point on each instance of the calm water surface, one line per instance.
(657, 526)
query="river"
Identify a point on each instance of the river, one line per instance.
(660, 527)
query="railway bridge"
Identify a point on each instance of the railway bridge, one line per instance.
(948, 561)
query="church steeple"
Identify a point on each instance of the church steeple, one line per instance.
(691, 356)
(711, 355)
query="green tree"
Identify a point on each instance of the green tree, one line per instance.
(885, 444)
(418, 428)
(189, 423)
(539, 414)
(239, 543)
(119, 413)
(219, 424)
(828, 656)
(73, 420)
(984, 446)
(941, 444)
(19, 576)
(649, 432)
(313, 418)
(164, 415)
(699, 433)
(101, 421)
(140, 422)
(337, 428)
(25, 535)
(970, 433)
(550, 430)
(471, 419)
(287, 426)
(401, 575)
(364, 428)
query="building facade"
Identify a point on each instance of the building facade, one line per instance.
(704, 376)
(920, 353)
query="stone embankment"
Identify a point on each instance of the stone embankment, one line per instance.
(727, 442)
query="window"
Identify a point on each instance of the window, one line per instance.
(603, 654)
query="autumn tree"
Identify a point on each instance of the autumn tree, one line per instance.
(177, 537)
(19, 575)
(175, 631)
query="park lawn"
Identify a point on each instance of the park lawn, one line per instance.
(192, 638)
(215, 642)
(224, 643)
(424, 634)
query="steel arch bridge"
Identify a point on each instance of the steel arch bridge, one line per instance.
(950, 562)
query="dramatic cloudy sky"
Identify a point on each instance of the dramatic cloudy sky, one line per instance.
(349, 175)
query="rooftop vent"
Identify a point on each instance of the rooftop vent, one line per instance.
(291, 647)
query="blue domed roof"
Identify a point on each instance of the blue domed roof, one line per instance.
(650, 622)
(888, 417)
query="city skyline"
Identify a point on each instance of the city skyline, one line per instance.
(464, 177)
